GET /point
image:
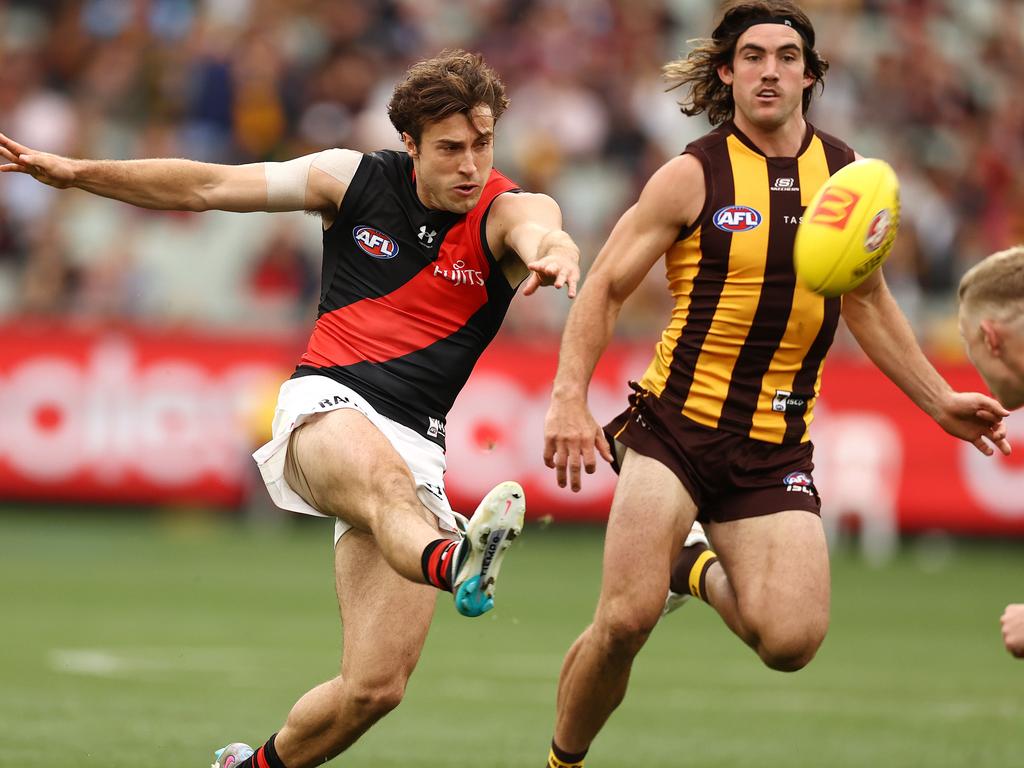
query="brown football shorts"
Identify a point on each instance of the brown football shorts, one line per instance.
(728, 476)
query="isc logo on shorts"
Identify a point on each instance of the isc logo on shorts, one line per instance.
(375, 243)
(736, 218)
(799, 482)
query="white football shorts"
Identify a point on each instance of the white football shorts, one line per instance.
(302, 398)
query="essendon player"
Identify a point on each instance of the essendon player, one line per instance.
(717, 429)
(423, 251)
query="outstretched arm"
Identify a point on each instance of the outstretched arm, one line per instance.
(672, 198)
(884, 334)
(530, 226)
(186, 185)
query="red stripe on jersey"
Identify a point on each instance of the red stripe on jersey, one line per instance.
(433, 305)
(428, 308)
(261, 759)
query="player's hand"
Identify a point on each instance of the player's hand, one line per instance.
(975, 418)
(558, 267)
(1012, 622)
(570, 436)
(50, 169)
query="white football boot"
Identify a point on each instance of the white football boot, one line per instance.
(232, 754)
(490, 532)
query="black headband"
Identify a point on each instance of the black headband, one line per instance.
(787, 21)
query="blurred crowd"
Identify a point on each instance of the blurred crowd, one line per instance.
(926, 84)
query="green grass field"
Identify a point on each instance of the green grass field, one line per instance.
(145, 641)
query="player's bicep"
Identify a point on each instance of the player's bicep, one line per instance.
(669, 201)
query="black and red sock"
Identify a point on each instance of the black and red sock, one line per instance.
(264, 757)
(438, 563)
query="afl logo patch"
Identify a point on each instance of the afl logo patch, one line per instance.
(797, 478)
(375, 243)
(736, 218)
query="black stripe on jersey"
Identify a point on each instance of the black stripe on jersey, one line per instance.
(379, 277)
(773, 307)
(395, 387)
(708, 283)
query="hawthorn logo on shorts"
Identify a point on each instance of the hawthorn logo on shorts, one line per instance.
(736, 218)
(835, 207)
(375, 243)
(799, 482)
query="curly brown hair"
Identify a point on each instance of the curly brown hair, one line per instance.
(454, 82)
(698, 72)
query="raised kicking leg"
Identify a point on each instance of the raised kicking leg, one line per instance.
(650, 514)
(342, 465)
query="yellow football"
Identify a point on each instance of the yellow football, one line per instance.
(848, 228)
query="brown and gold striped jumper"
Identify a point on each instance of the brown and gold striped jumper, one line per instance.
(745, 347)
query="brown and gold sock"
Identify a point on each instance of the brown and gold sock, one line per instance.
(690, 570)
(559, 758)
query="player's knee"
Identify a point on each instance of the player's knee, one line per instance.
(372, 702)
(789, 651)
(624, 632)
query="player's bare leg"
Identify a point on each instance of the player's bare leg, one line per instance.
(771, 584)
(342, 465)
(385, 620)
(650, 515)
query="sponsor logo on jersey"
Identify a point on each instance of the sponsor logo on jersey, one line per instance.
(799, 482)
(736, 218)
(426, 236)
(785, 401)
(835, 207)
(785, 184)
(375, 243)
(457, 274)
(877, 230)
(435, 427)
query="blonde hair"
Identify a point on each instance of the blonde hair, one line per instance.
(995, 283)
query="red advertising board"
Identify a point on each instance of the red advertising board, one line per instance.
(170, 417)
(131, 415)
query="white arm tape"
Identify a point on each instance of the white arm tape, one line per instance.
(286, 182)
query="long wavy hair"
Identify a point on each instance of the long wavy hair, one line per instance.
(698, 72)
